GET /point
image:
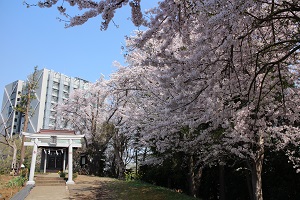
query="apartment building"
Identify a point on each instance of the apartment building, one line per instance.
(10, 120)
(53, 88)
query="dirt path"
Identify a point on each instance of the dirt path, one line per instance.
(90, 187)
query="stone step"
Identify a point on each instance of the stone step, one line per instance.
(50, 180)
(44, 181)
(50, 183)
(47, 178)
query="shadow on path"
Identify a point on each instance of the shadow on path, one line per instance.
(87, 188)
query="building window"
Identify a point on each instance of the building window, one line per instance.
(66, 95)
(16, 119)
(66, 88)
(55, 85)
(53, 106)
(9, 111)
(54, 92)
(52, 114)
(54, 99)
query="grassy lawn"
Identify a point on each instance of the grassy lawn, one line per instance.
(92, 187)
(143, 191)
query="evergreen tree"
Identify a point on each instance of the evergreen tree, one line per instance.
(25, 106)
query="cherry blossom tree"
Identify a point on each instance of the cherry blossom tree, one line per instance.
(218, 75)
(230, 65)
(239, 122)
(87, 112)
(143, 99)
(92, 111)
(92, 9)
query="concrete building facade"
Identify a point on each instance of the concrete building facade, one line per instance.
(10, 120)
(53, 88)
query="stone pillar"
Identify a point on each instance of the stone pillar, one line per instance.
(33, 161)
(70, 163)
(64, 161)
(45, 161)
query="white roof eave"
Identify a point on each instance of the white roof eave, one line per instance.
(35, 135)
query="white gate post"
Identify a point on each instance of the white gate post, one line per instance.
(64, 161)
(33, 161)
(70, 163)
(45, 161)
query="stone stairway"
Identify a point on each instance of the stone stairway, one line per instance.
(51, 179)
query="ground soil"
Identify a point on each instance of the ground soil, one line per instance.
(86, 187)
(89, 187)
(7, 192)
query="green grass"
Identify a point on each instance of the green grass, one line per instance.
(142, 191)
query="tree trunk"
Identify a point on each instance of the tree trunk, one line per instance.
(194, 177)
(144, 154)
(12, 144)
(222, 182)
(257, 170)
(31, 86)
(249, 185)
(15, 150)
(120, 165)
(117, 144)
(22, 151)
(26, 120)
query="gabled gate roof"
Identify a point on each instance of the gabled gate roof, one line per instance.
(53, 138)
(56, 132)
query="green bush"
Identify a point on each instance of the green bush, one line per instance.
(62, 174)
(5, 161)
(5, 166)
(129, 176)
(17, 182)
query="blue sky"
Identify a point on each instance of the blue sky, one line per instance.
(34, 37)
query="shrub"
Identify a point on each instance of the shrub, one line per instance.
(62, 174)
(17, 182)
(75, 175)
(24, 173)
(129, 176)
